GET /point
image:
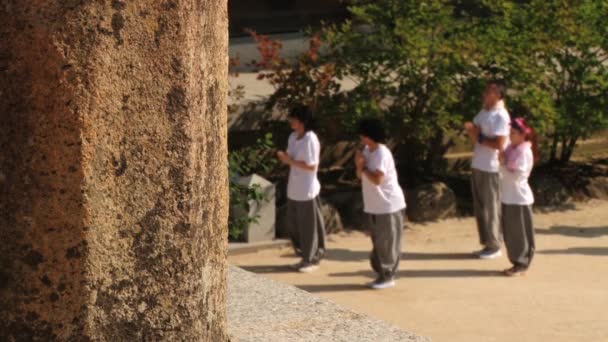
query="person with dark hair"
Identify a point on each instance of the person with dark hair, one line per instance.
(489, 134)
(307, 229)
(517, 197)
(383, 202)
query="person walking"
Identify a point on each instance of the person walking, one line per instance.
(489, 133)
(304, 217)
(383, 202)
(517, 197)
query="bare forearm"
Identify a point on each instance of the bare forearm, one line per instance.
(473, 137)
(375, 178)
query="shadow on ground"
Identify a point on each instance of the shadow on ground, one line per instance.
(332, 287)
(585, 232)
(341, 254)
(456, 273)
(262, 269)
(591, 251)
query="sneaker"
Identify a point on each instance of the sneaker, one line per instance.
(478, 253)
(490, 254)
(515, 271)
(308, 268)
(304, 267)
(297, 266)
(382, 283)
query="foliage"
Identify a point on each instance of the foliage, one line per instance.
(576, 61)
(413, 63)
(245, 161)
(552, 53)
(421, 67)
(305, 80)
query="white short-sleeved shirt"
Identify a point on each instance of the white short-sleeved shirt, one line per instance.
(493, 122)
(514, 183)
(303, 185)
(387, 197)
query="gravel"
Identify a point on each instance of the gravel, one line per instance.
(260, 309)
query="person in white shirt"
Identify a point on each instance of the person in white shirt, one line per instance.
(489, 133)
(517, 197)
(307, 229)
(383, 202)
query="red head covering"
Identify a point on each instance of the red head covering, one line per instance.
(520, 125)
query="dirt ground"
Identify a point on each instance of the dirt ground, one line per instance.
(444, 294)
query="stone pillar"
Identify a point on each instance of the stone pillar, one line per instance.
(113, 179)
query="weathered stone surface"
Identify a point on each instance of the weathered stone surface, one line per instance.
(331, 217)
(598, 188)
(263, 228)
(350, 206)
(549, 191)
(113, 204)
(430, 202)
(260, 309)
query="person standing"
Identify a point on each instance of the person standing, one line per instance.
(304, 217)
(383, 202)
(517, 197)
(489, 133)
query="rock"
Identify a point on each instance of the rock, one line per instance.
(597, 188)
(263, 228)
(549, 191)
(339, 154)
(350, 206)
(431, 201)
(331, 217)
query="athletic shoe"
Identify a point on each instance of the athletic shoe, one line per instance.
(477, 253)
(515, 271)
(490, 254)
(308, 268)
(382, 283)
(297, 266)
(304, 267)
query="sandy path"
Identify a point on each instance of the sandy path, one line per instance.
(443, 294)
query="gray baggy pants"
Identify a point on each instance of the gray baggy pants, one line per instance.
(386, 238)
(486, 204)
(307, 229)
(518, 230)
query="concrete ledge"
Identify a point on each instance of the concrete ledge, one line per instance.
(260, 309)
(235, 248)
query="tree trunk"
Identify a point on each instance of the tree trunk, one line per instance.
(113, 179)
(568, 146)
(436, 152)
(554, 143)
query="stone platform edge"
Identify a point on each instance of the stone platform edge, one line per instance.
(236, 248)
(261, 309)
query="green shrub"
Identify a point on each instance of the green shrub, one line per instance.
(245, 161)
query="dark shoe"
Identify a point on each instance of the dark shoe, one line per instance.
(515, 271)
